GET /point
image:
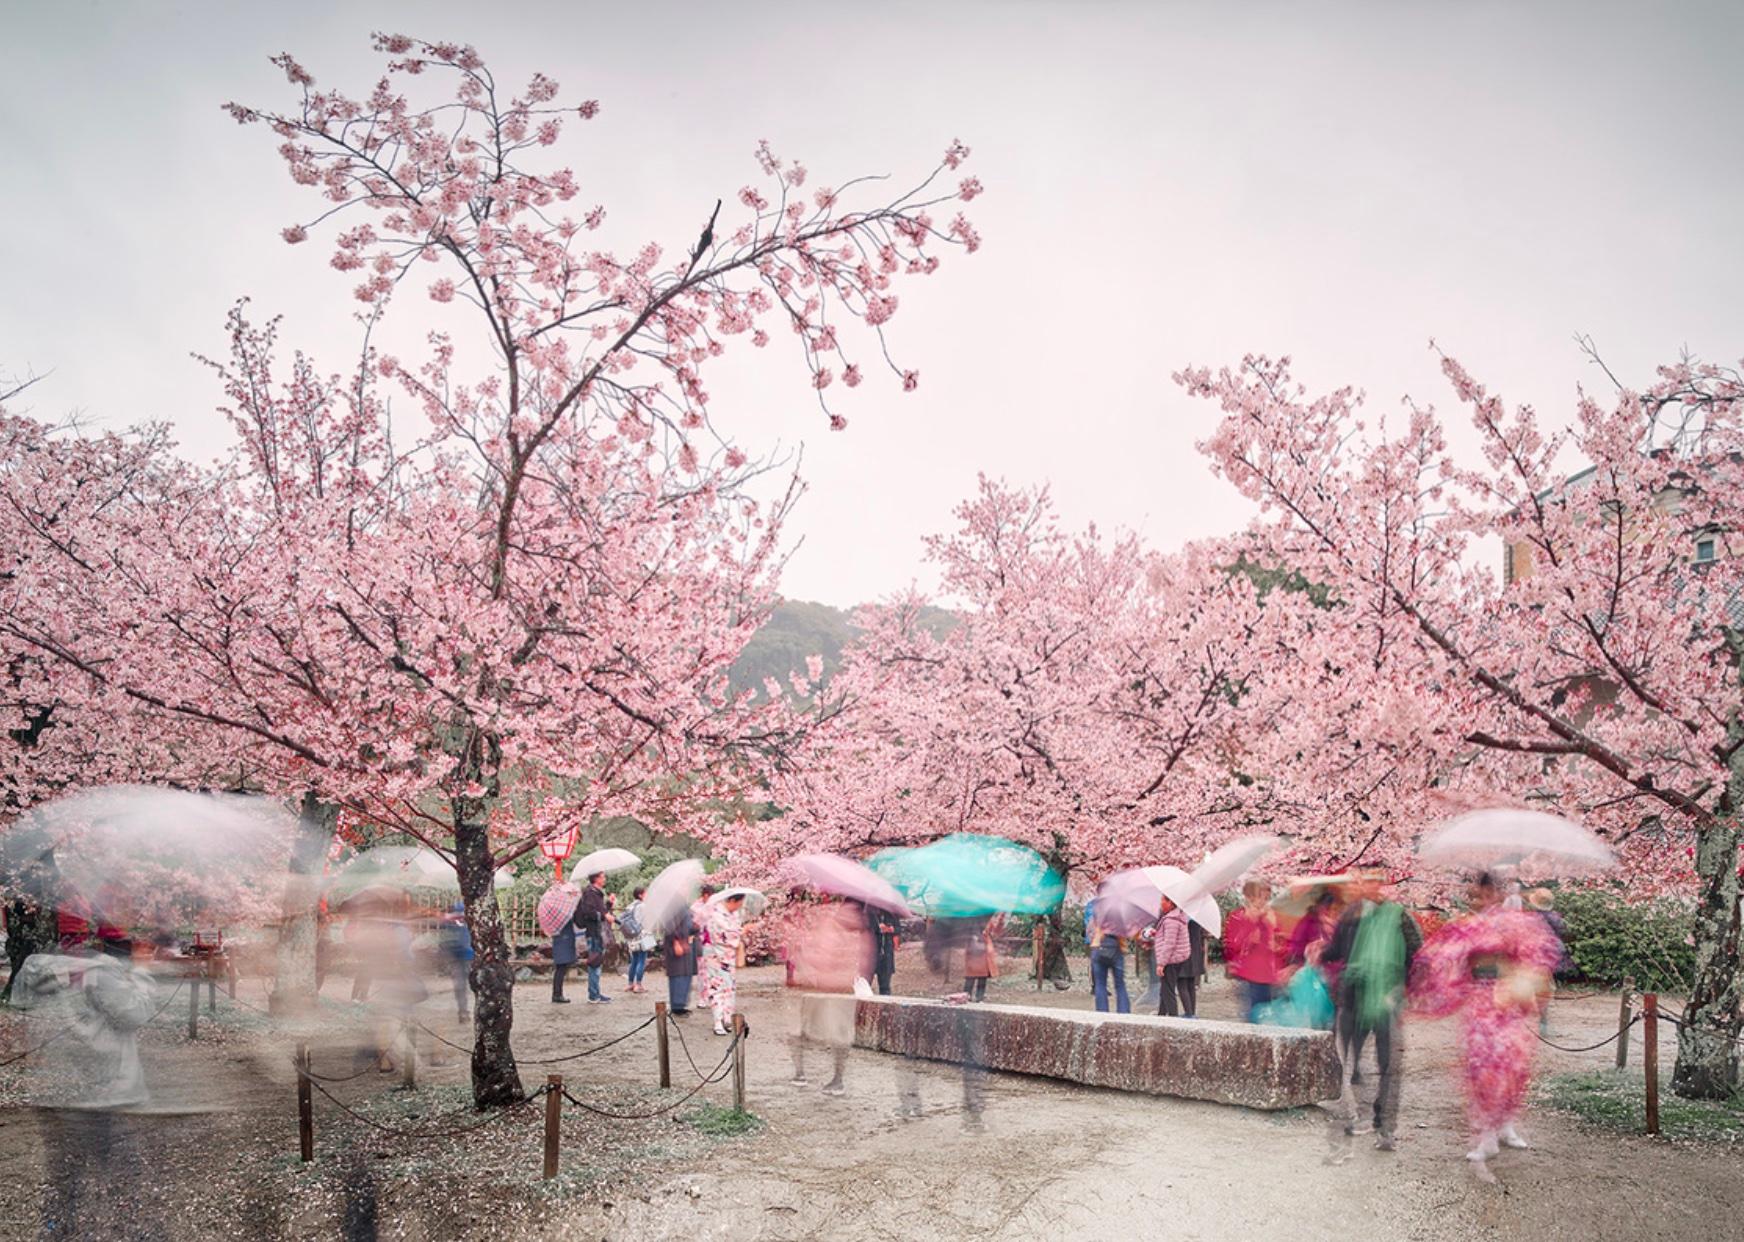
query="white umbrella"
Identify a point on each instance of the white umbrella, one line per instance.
(670, 894)
(159, 855)
(755, 902)
(1130, 901)
(1531, 841)
(609, 859)
(1228, 863)
(403, 866)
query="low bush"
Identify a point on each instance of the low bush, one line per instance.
(1610, 940)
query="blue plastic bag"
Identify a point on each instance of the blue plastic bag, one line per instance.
(1306, 1002)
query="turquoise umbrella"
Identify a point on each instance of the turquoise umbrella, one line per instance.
(966, 875)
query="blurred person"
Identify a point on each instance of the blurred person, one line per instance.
(886, 939)
(1253, 948)
(1313, 931)
(827, 951)
(1173, 948)
(457, 953)
(722, 948)
(678, 955)
(638, 938)
(593, 916)
(1542, 902)
(1492, 967)
(1373, 945)
(1107, 958)
(980, 960)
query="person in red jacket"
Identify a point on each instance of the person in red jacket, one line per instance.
(1253, 948)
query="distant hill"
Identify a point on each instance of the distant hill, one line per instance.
(796, 631)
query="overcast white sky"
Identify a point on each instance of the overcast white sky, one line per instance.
(1167, 184)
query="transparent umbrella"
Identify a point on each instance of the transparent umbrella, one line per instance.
(1532, 842)
(136, 854)
(404, 867)
(1130, 901)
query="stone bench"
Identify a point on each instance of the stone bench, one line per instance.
(1268, 1067)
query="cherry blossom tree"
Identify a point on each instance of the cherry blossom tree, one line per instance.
(1604, 679)
(1093, 699)
(523, 613)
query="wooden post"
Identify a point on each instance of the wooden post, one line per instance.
(1623, 1023)
(230, 976)
(194, 1007)
(1650, 1057)
(409, 1061)
(305, 1106)
(553, 1118)
(660, 1044)
(211, 989)
(739, 1061)
(1038, 938)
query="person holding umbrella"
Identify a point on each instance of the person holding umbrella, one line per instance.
(721, 957)
(1174, 952)
(592, 915)
(1492, 967)
(886, 928)
(563, 954)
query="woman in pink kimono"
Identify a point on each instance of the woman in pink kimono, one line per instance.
(1491, 966)
(720, 958)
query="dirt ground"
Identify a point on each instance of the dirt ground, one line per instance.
(218, 1157)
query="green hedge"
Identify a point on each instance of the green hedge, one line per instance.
(1610, 939)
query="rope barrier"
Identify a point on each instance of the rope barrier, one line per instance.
(684, 1047)
(168, 1001)
(718, 1075)
(420, 1135)
(573, 1056)
(1609, 1039)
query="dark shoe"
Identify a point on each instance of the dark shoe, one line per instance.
(601, 1000)
(559, 1000)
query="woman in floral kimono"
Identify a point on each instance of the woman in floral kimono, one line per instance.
(1491, 966)
(720, 956)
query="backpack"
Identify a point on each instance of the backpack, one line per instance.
(630, 923)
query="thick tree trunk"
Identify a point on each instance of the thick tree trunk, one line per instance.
(1707, 1042)
(294, 983)
(495, 1080)
(31, 927)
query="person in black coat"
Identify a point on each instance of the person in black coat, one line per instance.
(885, 928)
(678, 953)
(592, 914)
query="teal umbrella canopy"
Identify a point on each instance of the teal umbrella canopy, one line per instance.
(966, 875)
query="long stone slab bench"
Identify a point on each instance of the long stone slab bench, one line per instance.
(1267, 1067)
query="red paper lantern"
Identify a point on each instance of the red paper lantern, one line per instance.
(559, 847)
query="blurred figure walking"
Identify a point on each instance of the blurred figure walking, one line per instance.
(1252, 948)
(1492, 967)
(1373, 946)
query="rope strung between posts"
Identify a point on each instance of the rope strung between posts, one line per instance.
(174, 992)
(314, 1077)
(720, 1073)
(685, 1047)
(573, 1056)
(420, 1135)
(1609, 1039)
(1679, 1021)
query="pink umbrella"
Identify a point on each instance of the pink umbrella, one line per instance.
(831, 873)
(557, 906)
(1130, 901)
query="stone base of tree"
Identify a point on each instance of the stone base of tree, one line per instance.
(1262, 1067)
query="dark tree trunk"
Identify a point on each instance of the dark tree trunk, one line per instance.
(1707, 1042)
(495, 1080)
(294, 985)
(31, 927)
